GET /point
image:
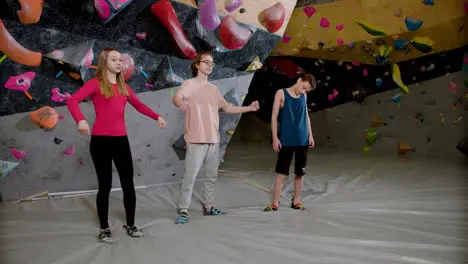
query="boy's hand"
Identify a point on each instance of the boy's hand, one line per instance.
(254, 106)
(276, 144)
(311, 142)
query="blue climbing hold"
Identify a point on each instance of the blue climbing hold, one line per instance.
(400, 44)
(428, 2)
(413, 24)
(378, 82)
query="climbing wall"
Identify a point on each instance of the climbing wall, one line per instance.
(373, 31)
(47, 52)
(422, 103)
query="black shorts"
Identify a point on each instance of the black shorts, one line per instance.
(285, 156)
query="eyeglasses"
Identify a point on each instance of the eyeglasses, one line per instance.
(212, 64)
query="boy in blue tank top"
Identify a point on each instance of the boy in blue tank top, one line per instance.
(293, 136)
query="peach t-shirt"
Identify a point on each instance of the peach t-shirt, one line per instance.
(203, 102)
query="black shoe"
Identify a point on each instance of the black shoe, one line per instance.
(105, 236)
(133, 231)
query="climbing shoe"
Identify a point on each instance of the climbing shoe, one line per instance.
(271, 207)
(133, 231)
(182, 218)
(297, 206)
(105, 236)
(212, 211)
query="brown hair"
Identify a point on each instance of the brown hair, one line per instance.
(310, 79)
(197, 61)
(101, 74)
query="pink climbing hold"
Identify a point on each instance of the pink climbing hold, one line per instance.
(231, 5)
(141, 36)
(19, 154)
(364, 72)
(286, 38)
(69, 151)
(59, 97)
(61, 117)
(453, 87)
(324, 22)
(20, 82)
(207, 16)
(339, 27)
(340, 41)
(309, 11)
(356, 63)
(88, 58)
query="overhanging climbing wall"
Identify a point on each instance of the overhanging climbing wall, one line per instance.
(363, 30)
(49, 50)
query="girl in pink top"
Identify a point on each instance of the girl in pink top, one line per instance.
(109, 94)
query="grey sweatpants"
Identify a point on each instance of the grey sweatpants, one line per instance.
(196, 156)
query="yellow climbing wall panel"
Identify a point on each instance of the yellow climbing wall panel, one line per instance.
(441, 23)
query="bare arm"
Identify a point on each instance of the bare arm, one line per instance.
(279, 97)
(308, 118)
(231, 109)
(178, 98)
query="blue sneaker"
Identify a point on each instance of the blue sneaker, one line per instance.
(182, 218)
(212, 211)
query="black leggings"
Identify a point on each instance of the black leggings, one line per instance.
(104, 150)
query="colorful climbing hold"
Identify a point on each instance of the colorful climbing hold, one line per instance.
(396, 99)
(231, 5)
(371, 29)
(141, 36)
(429, 2)
(6, 167)
(69, 151)
(371, 136)
(339, 27)
(378, 82)
(398, 12)
(57, 140)
(396, 76)
(403, 148)
(309, 11)
(324, 22)
(340, 41)
(413, 24)
(423, 44)
(19, 154)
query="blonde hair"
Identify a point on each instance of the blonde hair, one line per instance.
(101, 74)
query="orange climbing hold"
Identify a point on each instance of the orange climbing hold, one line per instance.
(378, 121)
(15, 51)
(31, 11)
(45, 117)
(403, 148)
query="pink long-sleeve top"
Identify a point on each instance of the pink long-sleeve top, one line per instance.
(110, 113)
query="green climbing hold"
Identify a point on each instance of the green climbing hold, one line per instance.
(371, 136)
(423, 44)
(371, 29)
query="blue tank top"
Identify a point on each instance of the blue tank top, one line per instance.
(293, 130)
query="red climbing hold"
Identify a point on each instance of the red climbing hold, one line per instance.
(164, 11)
(232, 35)
(272, 18)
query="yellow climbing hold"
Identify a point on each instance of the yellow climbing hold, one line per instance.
(384, 50)
(396, 76)
(371, 29)
(423, 44)
(366, 148)
(230, 132)
(254, 65)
